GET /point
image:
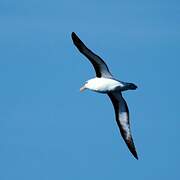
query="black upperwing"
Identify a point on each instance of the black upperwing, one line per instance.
(98, 64)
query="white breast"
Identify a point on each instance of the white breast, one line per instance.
(102, 85)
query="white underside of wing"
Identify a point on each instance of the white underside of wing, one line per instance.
(123, 114)
(123, 118)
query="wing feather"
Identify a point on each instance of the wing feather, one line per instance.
(98, 64)
(122, 119)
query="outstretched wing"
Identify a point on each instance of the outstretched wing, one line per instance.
(122, 118)
(98, 64)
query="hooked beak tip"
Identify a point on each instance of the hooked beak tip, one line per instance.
(82, 88)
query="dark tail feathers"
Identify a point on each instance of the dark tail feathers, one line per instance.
(131, 86)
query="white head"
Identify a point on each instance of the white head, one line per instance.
(88, 85)
(92, 84)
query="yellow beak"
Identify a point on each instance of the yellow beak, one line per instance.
(82, 88)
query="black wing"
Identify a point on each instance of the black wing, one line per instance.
(98, 64)
(122, 118)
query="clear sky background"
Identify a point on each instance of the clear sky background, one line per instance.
(48, 130)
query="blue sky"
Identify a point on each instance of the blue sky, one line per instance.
(48, 130)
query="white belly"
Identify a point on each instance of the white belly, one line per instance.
(103, 85)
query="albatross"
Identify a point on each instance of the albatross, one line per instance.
(104, 82)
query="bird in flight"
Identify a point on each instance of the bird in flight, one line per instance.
(104, 82)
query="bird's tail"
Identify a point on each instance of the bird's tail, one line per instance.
(131, 86)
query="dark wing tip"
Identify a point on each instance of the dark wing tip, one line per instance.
(78, 43)
(134, 153)
(73, 35)
(132, 148)
(129, 142)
